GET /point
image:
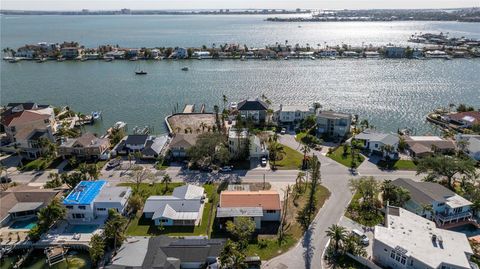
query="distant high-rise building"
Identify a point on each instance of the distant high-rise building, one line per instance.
(125, 11)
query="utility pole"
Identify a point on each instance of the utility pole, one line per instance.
(264, 181)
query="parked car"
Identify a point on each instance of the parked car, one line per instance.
(283, 131)
(225, 169)
(264, 161)
(361, 236)
(206, 169)
(113, 163)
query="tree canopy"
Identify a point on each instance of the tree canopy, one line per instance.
(442, 167)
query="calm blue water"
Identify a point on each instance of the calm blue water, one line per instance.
(24, 224)
(81, 228)
(391, 93)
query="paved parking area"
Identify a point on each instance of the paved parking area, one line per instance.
(350, 225)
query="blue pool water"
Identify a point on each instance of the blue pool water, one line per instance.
(24, 224)
(84, 229)
(469, 230)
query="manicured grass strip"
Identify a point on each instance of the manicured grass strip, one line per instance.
(398, 165)
(346, 160)
(291, 160)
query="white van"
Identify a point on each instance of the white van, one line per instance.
(363, 237)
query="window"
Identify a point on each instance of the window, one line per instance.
(441, 204)
(78, 216)
(392, 255)
(271, 211)
(13, 129)
(69, 206)
(385, 250)
(164, 220)
(101, 209)
(82, 207)
(403, 260)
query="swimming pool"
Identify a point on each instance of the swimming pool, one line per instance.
(24, 224)
(81, 229)
(468, 229)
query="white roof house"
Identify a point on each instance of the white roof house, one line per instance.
(183, 207)
(375, 140)
(472, 147)
(410, 240)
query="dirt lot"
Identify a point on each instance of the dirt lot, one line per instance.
(192, 122)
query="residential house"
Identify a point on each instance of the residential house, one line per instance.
(469, 144)
(254, 110)
(328, 53)
(23, 202)
(420, 146)
(70, 52)
(181, 143)
(394, 52)
(260, 206)
(183, 208)
(410, 241)
(87, 146)
(115, 54)
(464, 119)
(333, 124)
(378, 143)
(26, 123)
(27, 51)
(180, 53)
(149, 146)
(142, 252)
(91, 200)
(237, 141)
(292, 115)
(447, 207)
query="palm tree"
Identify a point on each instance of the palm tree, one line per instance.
(299, 180)
(225, 100)
(317, 106)
(166, 180)
(305, 149)
(276, 151)
(203, 125)
(337, 235)
(427, 208)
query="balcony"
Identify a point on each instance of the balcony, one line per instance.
(443, 219)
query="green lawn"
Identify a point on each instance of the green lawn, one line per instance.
(267, 248)
(338, 156)
(367, 218)
(291, 160)
(140, 226)
(41, 164)
(398, 165)
(299, 136)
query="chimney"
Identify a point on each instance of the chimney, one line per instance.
(387, 211)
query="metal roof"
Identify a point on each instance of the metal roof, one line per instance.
(228, 212)
(84, 193)
(22, 207)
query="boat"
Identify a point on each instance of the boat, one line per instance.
(41, 60)
(83, 59)
(242, 58)
(133, 59)
(332, 58)
(96, 115)
(61, 59)
(312, 58)
(108, 59)
(286, 58)
(14, 60)
(199, 57)
(185, 68)
(141, 72)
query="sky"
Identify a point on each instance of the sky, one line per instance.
(231, 4)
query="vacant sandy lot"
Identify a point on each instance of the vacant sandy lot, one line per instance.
(197, 123)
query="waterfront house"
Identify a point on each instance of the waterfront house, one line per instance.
(90, 201)
(27, 51)
(181, 143)
(421, 146)
(469, 144)
(25, 124)
(115, 54)
(448, 208)
(87, 146)
(332, 124)
(436, 54)
(201, 54)
(23, 202)
(183, 208)
(254, 110)
(394, 52)
(149, 146)
(378, 143)
(371, 54)
(260, 206)
(179, 53)
(142, 252)
(410, 241)
(463, 119)
(328, 53)
(289, 115)
(71, 52)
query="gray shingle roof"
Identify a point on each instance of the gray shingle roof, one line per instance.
(252, 105)
(424, 192)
